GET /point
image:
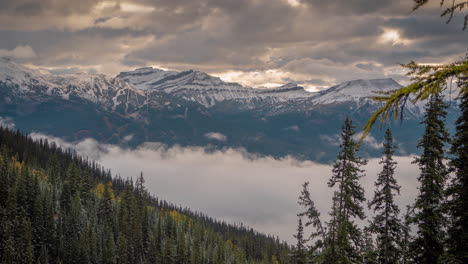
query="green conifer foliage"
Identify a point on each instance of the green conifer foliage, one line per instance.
(457, 205)
(386, 224)
(347, 201)
(428, 208)
(59, 208)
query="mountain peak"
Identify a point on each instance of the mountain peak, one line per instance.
(192, 85)
(355, 90)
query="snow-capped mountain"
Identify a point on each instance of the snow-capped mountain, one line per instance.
(356, 90)
(209, 91)
(153, 105)
(194, 86)
(30, 84)
(205, 89)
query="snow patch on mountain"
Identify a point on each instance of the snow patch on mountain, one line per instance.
(357, 91)
(143, 88)
(97, 88)
(203, 88)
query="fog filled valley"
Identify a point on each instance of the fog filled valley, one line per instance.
(232, 185)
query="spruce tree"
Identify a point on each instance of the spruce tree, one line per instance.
(312, 215)
(457, 205)
(368, 252)
(386, 223)
(300, 250)
(406, 242)
(429, 217)
(348, 199)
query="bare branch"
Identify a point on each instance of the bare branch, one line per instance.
(450, 11)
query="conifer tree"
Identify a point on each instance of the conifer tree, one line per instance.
(429, 217)
(368, 251)
(457, 205)
(59, 208)
(329, 255)
(313, 219)
(348, 198)
(406, 242)
(386, 223)
(300, 250)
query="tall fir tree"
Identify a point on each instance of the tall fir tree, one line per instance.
(60, 208)
(406, 242)
(348, 199)
(457, 192)
(300, 250)
(428, 208)
(317, 236)
(386, 224)
(368, 252)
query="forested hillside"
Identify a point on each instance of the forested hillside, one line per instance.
(57, 207)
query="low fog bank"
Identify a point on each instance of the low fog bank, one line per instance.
(259, 192)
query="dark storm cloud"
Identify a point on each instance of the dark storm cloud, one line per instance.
(38, 7)
(356, 7)
(300, 40)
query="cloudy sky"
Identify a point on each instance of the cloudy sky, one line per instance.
(315, 43)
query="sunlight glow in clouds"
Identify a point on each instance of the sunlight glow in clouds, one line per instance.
(135, 8)
(266, 79)
(294, 3)
(393, 37)
(124, 7)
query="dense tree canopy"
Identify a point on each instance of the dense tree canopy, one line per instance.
(57, 207)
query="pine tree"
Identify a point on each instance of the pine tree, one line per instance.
(429, 217)
(329, 254)
(60, 208)
(406, 242)
(386, 223)
(348, 198)
(300, 250)
(317, 236)
(368, 251)
(457, 205)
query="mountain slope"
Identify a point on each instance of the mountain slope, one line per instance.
(202, 88)
(184, 108)
(56, 207)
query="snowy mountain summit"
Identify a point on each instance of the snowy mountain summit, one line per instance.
(203, 88)
(194, 86)
(184, 108)
(357, 90)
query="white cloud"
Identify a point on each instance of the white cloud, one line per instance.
(216, 136)
(7, 122)
(369, 141)
(136, 8)
(127, 138)
(19, 52)
(260, 192)
(293, 128)
(333, 140)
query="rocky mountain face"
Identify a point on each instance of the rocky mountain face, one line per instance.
(205, 89)
(187, 108)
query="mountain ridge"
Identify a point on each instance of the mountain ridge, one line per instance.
(186, 107)
(195, 86)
